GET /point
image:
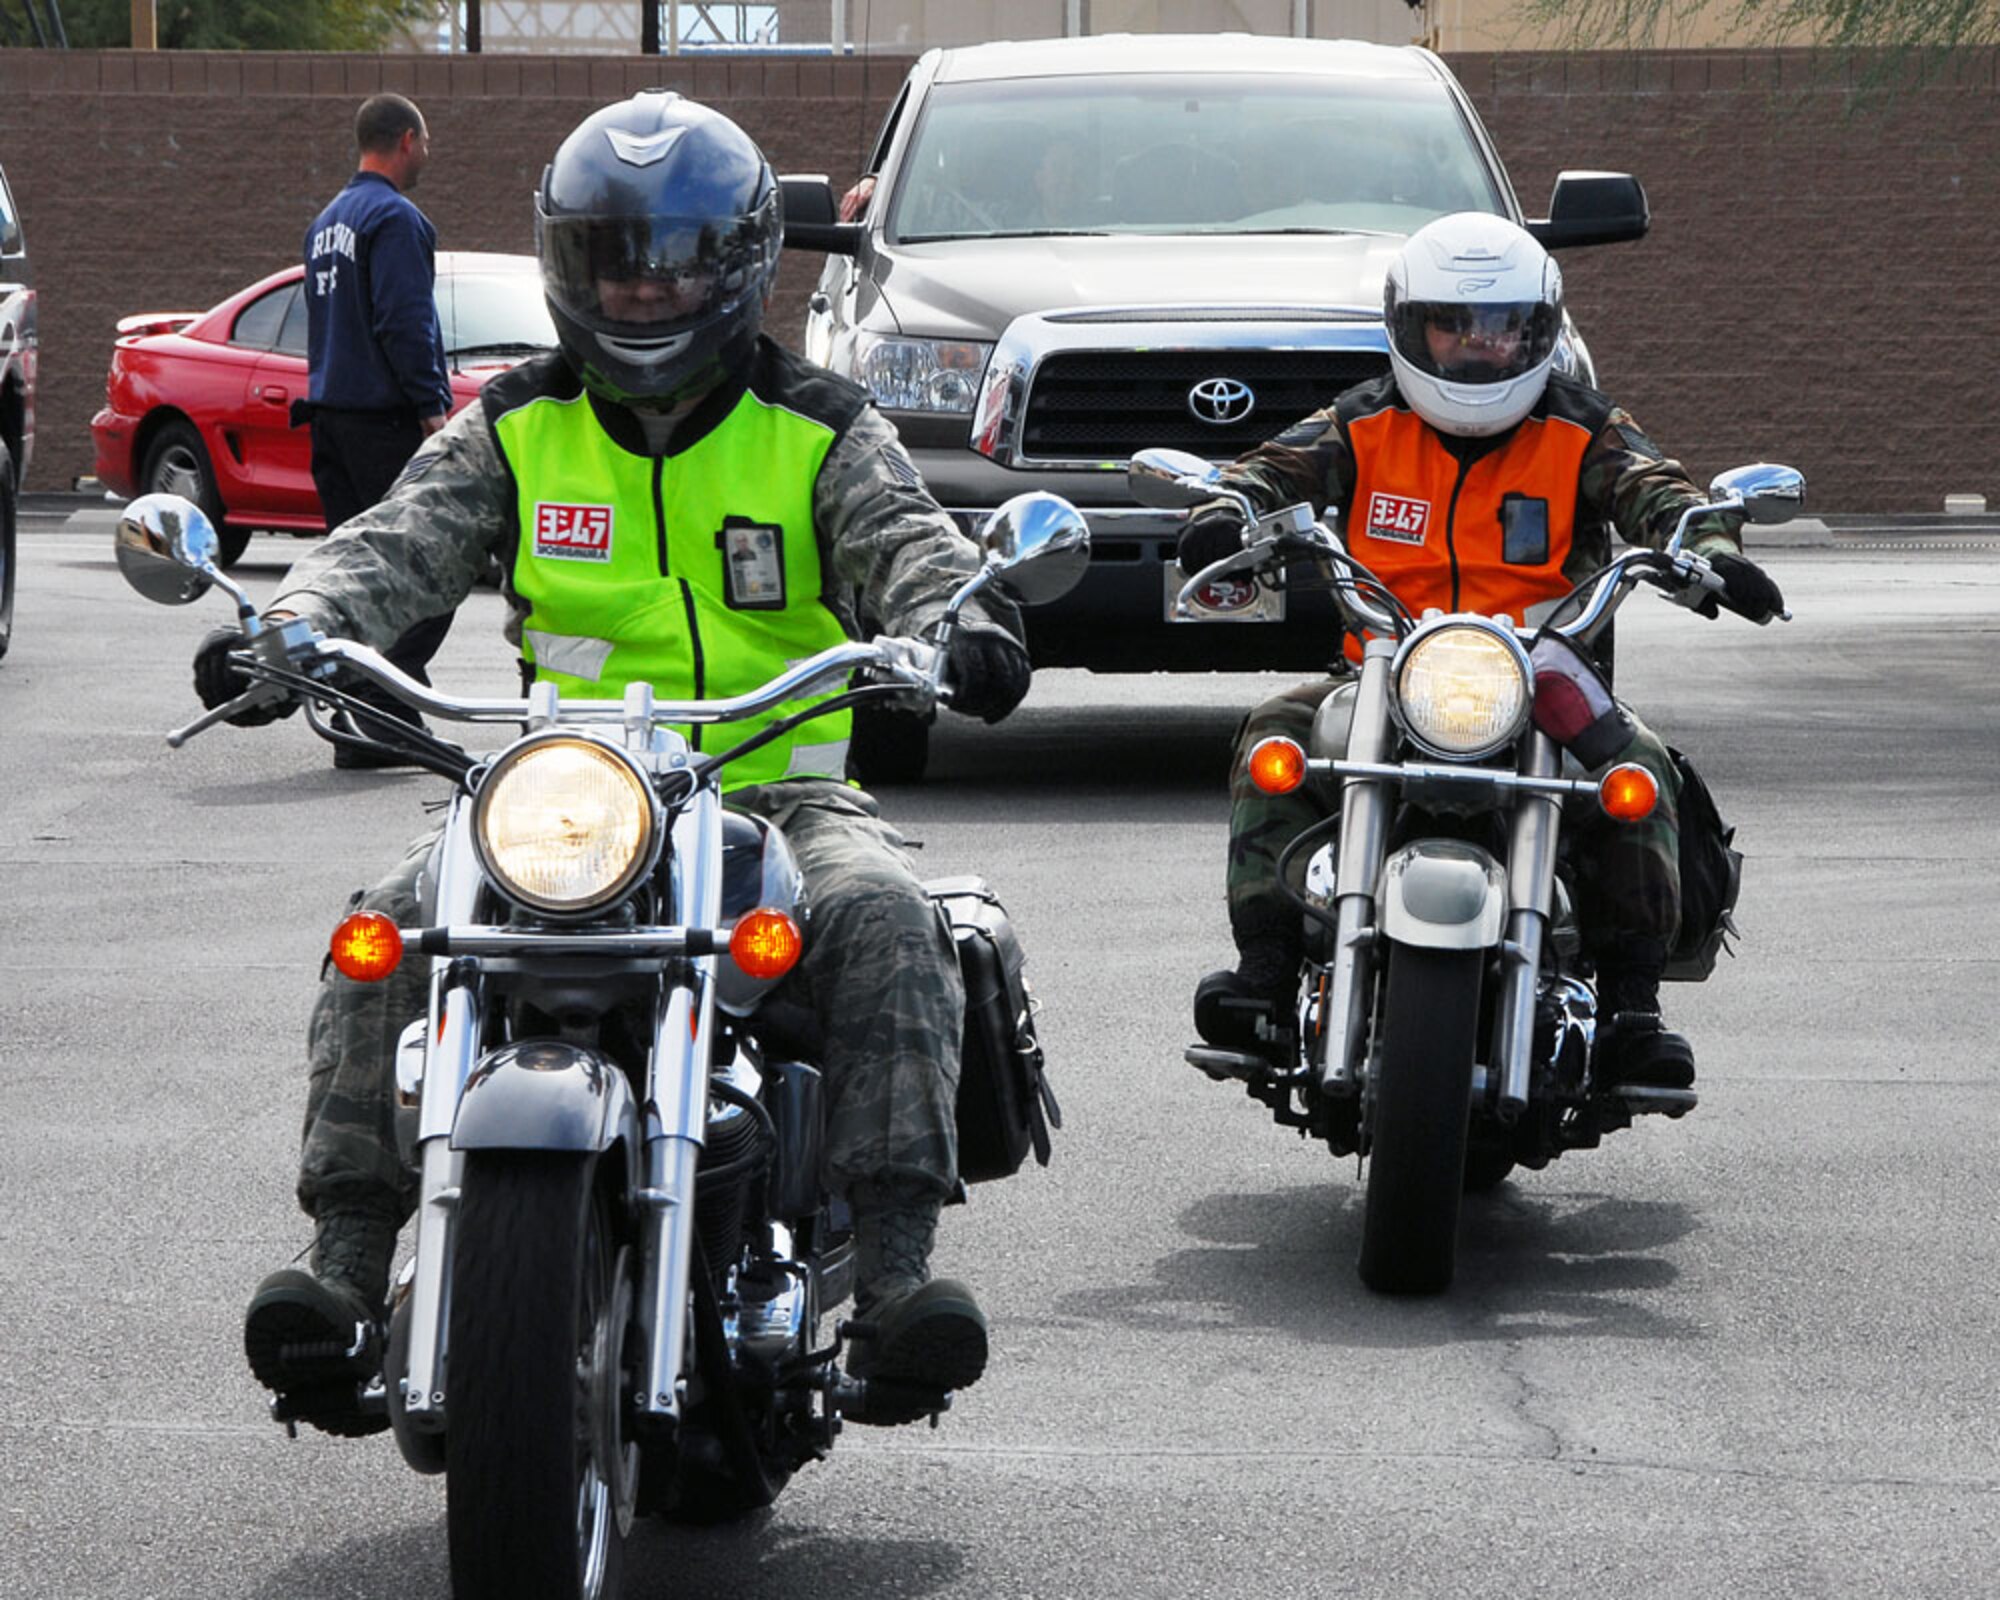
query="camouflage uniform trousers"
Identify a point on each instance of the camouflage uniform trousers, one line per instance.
(1627, 875)
(879, 972)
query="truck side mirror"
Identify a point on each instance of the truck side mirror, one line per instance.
(812, 217)
(1593, 208)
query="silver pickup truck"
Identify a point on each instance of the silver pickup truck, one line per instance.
(17, 391)
(1076, 248)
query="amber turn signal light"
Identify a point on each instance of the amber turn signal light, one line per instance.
(1628, 793)
(766, 944)
(1277, 766)
(367, 947)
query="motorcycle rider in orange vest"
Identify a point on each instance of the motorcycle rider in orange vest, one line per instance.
(1479, 476)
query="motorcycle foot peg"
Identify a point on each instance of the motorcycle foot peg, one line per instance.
(884, 1403)
(345, 1410)
(1644, 1098)
(1226, 1066)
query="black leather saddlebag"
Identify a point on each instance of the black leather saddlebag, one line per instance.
(1005, 1106)
(1711, 875)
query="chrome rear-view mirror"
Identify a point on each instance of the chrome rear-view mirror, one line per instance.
(167, 548)
(1172, 480)
(1038, 546)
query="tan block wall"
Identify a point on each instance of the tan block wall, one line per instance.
(1806, 293)
(1463, 26)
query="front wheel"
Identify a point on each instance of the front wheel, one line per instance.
(540, 1476)
(1486, 1169)
(1422, 1101)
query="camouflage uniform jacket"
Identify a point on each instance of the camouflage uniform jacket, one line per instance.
(1624, 480)
(894, 554)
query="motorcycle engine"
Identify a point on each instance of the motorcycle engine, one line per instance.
(733, 1159)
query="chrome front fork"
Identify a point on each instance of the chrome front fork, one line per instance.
(1531, 877)
(675, 1119)
(1366, 813)
(453, 1041)
(676, 1116)
(1367, 808)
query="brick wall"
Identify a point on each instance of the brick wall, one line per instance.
(1809, 291)
(167, 181)
(1806, 293)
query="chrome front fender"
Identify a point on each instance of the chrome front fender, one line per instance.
(1442, 894)
(542, 1094)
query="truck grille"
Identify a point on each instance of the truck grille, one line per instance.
(1103, 405)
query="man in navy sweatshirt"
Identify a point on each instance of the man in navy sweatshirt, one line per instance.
(375, 354)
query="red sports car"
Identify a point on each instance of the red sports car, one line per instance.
(199, 403)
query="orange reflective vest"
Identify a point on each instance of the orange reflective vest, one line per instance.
(1490, 536)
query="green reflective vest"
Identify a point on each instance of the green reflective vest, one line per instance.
(698, 572)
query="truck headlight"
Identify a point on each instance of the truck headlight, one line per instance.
(921, 374)
(565, 825)
(1463, 690)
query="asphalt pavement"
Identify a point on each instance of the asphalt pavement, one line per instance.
(1749, 1354)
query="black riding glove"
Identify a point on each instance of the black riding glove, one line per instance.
(1212, 532)
(989, 671)
(1750, 592)
(217, 681)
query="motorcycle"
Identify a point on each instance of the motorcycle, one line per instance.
(1446, 1015)
(624, 1255)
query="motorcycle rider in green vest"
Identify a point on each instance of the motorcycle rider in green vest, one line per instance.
(671, 497)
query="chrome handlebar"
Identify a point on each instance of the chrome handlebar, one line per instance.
(1035, 547)
(1686, 578)
(911, 664)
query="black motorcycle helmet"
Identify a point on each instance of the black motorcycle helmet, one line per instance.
(658, 227)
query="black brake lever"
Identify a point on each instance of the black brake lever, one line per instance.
(424, 748)
(703, 769)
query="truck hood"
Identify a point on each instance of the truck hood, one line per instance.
(973, 288)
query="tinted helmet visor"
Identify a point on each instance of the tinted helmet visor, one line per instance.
(1474, 343)
(653, 277)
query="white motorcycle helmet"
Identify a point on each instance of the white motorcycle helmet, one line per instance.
(1473, 307)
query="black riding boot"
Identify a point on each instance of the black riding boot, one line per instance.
(925, 1336)
(316, 1337)
(1633, 1045)
(1228, 1004)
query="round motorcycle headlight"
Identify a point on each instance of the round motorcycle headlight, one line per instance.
(1463, 691)
(565, 825)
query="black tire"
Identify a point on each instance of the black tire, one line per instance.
(177, 463)
(888, 746)
(1486, 1169)
(540, 1307)
(231, 543)
(8, 540)
(1417, 1133)
(704, 1497)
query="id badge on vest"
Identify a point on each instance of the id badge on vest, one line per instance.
(1524, 530)
(753, 564)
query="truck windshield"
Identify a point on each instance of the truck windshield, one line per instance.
(1187, 154)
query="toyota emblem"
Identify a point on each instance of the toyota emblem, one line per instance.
(1221, 401)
